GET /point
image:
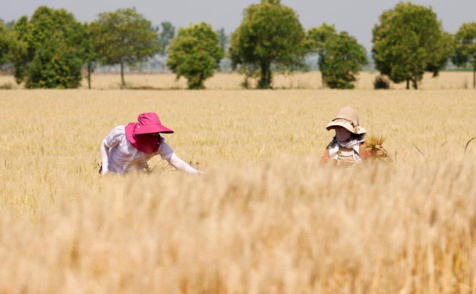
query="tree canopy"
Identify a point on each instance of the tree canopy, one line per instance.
(270, 34)
(6, 43)
(124, 37)
(340, 56)
(195, 54)
(223, 37)
(166, 36)
(465, 51)
(89, 51)
(48, 54)
(409, 41)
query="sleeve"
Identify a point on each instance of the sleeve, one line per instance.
(324, 158)
(181, 165)
(365, 153)
(114, 137)
(164, 149)
(104, 158)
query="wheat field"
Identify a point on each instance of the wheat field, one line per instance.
(263, 219)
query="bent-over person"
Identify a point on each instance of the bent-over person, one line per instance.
(130, 147)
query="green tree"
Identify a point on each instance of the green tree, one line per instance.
(465, 51)
(55, 65)
(223, 38)
(442, 55)
(89, 54)
(195, 54)
(22, 55)
(409, 41)
(316, 38)
(340, 56)
(124, 37)
(166, 36)
(6, 43)
(48, 55)
(270, 34)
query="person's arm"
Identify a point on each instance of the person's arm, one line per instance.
(324, 158)
(365, 153)
(181, 165)
(111, 141)
(104, 157)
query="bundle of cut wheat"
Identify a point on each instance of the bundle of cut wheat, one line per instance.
(375, 144)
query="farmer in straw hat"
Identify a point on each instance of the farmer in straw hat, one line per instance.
(130, 147)
(348, 145)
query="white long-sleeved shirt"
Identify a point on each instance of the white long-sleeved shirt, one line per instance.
(120, 156)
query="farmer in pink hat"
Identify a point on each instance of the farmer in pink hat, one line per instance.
(348, 145)
(130, 147)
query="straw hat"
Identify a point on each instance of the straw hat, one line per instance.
(348, 118)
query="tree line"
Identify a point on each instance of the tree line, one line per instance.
(49, 49)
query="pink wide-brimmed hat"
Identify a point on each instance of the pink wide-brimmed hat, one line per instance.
(148, 123)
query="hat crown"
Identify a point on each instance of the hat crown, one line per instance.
(349, 114)
(348, 118)
(148, 118)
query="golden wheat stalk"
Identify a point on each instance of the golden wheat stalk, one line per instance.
(466, 147)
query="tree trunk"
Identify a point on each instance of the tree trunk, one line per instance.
(268, 77)
(123, 83)
(474, 77)
(408, 84)
(415, 83)
(265, 80)
(89, 74)
(200, 84)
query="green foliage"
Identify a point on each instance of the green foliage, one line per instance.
(55, 65)
(223, 38)
(317, 36)
(124, 37)
(465, 47)
(441, 58)
(465, 38)
(340, 56)
(381, 82)
(48, 49)
(409, 41)
(6, 43)
(342, 60)
(270, 34)
(195, 54)
(22, 54)
(166, 36)
(89, 54)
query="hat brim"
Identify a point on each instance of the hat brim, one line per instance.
(346, 125)
(150, 129)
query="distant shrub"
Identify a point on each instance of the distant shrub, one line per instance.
(6, 86)
(381, 82)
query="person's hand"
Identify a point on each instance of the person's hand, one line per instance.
(379, 150)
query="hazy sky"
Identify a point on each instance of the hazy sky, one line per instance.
(357, 17)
